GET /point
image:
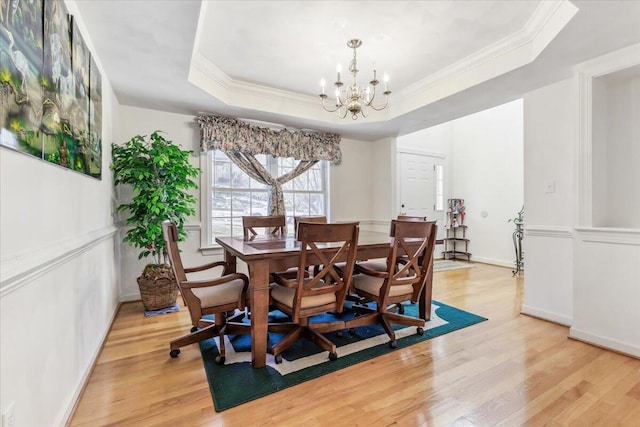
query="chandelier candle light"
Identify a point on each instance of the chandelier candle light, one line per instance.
(355, 99)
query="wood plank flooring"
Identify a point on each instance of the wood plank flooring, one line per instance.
(512, 370)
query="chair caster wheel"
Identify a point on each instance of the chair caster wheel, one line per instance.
(193, 329)
(278, 358)
(352, 331)
(220, 360)
(339, 334)
(174, 353)
(420, 331)
(333, 356)
(393, 344)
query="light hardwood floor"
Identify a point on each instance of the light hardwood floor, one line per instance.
(512, 370)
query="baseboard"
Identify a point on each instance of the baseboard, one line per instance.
(129, 298)
(498, 262)
(68, 414)
(546, 315)
(606, 343)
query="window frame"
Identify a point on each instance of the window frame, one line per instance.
(207, 240)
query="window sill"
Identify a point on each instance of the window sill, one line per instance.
(212, 250)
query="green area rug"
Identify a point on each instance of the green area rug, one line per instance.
(237, 382)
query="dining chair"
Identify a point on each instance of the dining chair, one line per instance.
(217, 295)
(275, 224)
(319, 219)
(413, 241)
(304, 297)
(381, 264)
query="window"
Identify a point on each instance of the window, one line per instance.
(439, 193)
(233, 194)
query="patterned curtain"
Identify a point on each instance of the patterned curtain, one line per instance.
(225, 134)
(252, 167)
(241, 141)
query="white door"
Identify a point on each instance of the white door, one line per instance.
(417, 185)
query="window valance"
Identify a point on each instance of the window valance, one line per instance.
(226, 134)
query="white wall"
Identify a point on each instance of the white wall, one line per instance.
(549, 121)
(350, 183)
(488, 174)
(382, 175)
(577, 272)
(484, 166)
(618, 152)
(58, 282)
(606, 290)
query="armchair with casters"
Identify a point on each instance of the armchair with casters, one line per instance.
(381, 264)
(303, 297)
(217, 295)
(413, 241)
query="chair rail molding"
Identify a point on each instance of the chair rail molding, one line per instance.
(622, 236)
(22, 268)
(555, 231)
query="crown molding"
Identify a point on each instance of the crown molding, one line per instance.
(507, 54)
(514, 51)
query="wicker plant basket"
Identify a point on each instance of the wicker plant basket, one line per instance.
(158, 287)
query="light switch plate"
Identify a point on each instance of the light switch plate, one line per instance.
(549, 186)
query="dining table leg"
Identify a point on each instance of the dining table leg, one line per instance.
(424, 306)
(259, 300)
(232, 263)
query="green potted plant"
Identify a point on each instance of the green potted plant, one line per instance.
(160, 176)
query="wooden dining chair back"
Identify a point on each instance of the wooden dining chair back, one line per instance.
(304, 296)
(411, 218)
(381, 263)
(275, 224)
(320, 219)
(409, 262)
(205, 292)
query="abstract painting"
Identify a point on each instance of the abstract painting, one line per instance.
(47, 81)
(20, 70)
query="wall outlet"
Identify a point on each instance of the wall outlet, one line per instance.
(8, 418)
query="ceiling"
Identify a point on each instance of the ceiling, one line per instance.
(263, 60)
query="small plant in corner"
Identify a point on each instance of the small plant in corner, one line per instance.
(160, 176)
(519, 219)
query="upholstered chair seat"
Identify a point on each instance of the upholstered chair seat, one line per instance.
(286, 295)
(372, 285)
(226, 293)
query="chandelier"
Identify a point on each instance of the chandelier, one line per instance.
(355, 99)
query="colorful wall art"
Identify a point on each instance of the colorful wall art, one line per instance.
(50, 87)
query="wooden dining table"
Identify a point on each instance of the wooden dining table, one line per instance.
(265, 254)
